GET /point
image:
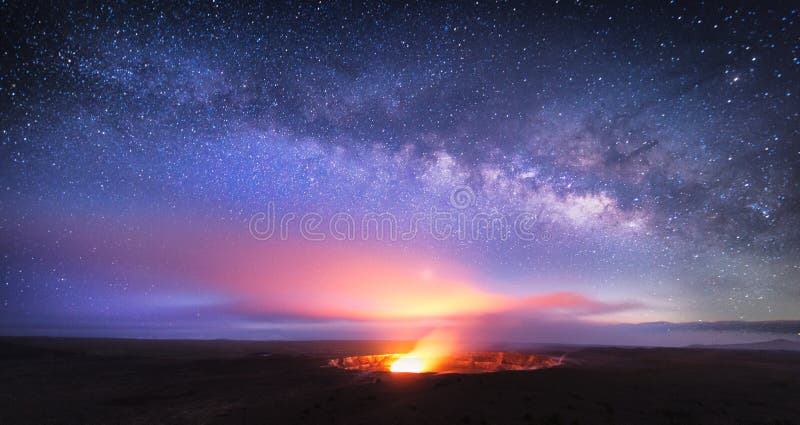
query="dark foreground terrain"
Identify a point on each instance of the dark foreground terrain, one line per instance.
(100, 381)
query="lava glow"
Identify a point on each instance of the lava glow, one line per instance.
(409, 364)
(428, 354)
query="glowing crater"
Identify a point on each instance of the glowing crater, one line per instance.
(411, 364)
(465, 362)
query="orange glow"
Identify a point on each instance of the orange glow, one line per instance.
(410, 364)
(428, 354)
(357, 281)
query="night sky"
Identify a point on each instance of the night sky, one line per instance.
(657, 148)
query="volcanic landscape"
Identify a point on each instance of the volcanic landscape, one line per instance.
(117, 381)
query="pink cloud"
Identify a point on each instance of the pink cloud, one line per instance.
(295, 278)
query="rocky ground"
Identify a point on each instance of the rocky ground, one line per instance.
(102, 381)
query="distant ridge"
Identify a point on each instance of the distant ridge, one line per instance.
(774, 345)
(784, 327)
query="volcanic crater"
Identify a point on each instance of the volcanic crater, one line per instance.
(466, 362)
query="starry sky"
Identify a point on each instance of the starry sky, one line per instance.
(656, 146)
